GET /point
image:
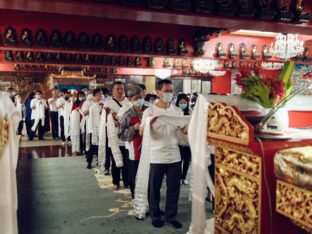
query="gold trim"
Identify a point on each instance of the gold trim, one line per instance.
(225, 123)
(4, 134)
(294, 203)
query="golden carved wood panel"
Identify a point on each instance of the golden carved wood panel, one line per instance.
(225, 123)
(238, 191)
(295, 203)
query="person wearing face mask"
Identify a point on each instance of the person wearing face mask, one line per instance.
(95, 115)
(54, 113)
(38, 107)
(28, 111)
(60, 104)
(183, 103)
(113, 106)
(164, 156)
(75, 118)
(129, 132)
(67, 112)
(21, 108)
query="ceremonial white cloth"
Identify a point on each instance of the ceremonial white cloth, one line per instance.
(140, 201)
(8, 163)
(201, 151)
(102, 141)
(67, 112)
(75, 130)
(38, 113)
(95, 117)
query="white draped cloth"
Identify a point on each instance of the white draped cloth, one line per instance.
(67, 113)
(8, 163)
(140, 201)
(75, 130)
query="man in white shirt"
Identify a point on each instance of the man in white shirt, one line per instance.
(54, 113)
(38, 106)
(86, 124)
(165, 157)
(60, 104)
(95, 117)
(114, 105)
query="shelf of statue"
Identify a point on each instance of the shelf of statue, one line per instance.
(10, 36)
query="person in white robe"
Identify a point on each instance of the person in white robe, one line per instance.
(9, 118)
(21, 108)
(75, 127)
(116, 106)
(67, 112)
(95, 117)
(60, 104)
(38, 106)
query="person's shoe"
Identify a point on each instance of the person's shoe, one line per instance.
(158, 223)
(185, 182)
(89, 166)
(176, 224)
(116, 187)
(140, 219)
(63, 143)
(106, 172)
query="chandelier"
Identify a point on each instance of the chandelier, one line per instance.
(205, 65)
(287, 46)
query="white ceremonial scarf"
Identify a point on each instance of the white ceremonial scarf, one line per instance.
(197, 135)
(8, 163)
(102, 141)
(67, 113)
(140, 201)
(75, 130)
(40, 114)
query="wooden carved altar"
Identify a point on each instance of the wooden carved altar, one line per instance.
(245, 191)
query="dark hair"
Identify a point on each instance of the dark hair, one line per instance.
(30, 95)
(143, 87)
(39, 91)
(117, 83)
(97, 90)
(161, 83)
(179, 98)
(150, 96)
(105, 90)
(77, 102)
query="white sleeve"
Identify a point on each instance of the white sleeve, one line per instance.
(32, 104)
(112, 134)
(147, 113)
(102, 139)
(95, 121)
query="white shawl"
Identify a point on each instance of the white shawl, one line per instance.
(8, 163)
(102, 141)
(67, 113)
(197, 136)
(39, 113)
(75, 130)
(95, 117)
(140, 201)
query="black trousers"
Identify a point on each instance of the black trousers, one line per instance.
(132, 171)
(185, 152)
(94, 149)
(156, 176)
(40, 130)
(62, 128)
(107, 156)
(20, 127)
(54, 123)
(124, 170)
(28, 127)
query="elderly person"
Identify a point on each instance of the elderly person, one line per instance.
(129, 132)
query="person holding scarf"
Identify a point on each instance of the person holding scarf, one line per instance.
(129, 132)
(38, 107)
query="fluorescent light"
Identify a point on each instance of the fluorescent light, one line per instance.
(254, 33)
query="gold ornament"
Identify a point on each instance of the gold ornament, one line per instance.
(4, 134)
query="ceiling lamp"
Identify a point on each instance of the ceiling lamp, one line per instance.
(287, 46)
(205, 65)
(163, 73)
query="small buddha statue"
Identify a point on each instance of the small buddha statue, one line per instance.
(170, 46)
(254, 52)
(176, 64)
(282, 10)
(265, 52)
(8, 56)
(159, 46)
(123, 61)
(204, 6)
(136, 46)
(123, 44)
(184, 63)
(88, 59)
(39, 57)
(227, 64)
(58, 58)
(220, 50)
(10, 36)
(166, 63)
(299, 15)
(26, 37)
(181, 50)
(68, 58)
(30, 56)
(83, 41)
(56, 39)
(111, 43)
(265, 10)
(16, 67)
(69, 40)
(138, 61)
(199, 43)
(97, 59)
(49, 57)
(147, 45)
(226, 7)
(79, 58)
(306, 54)
(97, 42)
(41, 39)
(232, 52)
(114, 60)
(150, 62)
(131, 62)
(243, 51)
(19, 56)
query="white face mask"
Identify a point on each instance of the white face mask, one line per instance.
(38, 96)
(167, 97)
(81, 99)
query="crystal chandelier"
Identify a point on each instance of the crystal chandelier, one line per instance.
(204, 65)
(287, 46)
